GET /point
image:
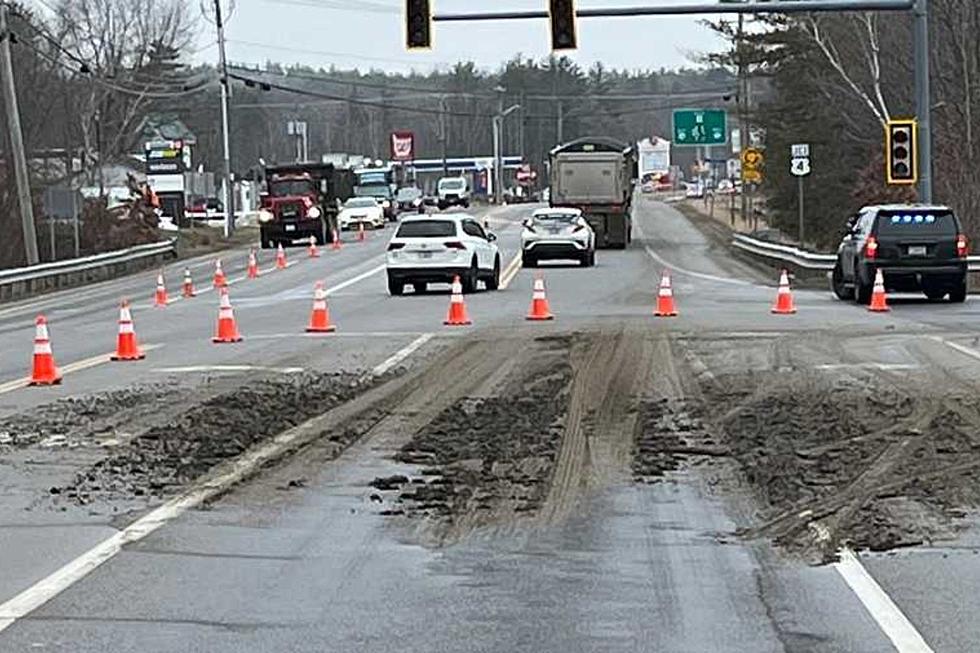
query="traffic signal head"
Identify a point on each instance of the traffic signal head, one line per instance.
(901, 143)
(564, 34)
(418, 24)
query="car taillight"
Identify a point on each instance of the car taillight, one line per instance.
(455, 244)
(962, 246)
(871, 247)
(393, 246)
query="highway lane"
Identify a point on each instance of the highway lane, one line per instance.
(633, 567)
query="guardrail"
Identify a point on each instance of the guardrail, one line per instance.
(802, 258)
(34, 279)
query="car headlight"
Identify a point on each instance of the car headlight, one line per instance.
(416, 202)
(266, 216)
(385, 204)
(313, 212)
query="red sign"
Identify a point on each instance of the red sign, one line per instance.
(402, 146)
(524, 173)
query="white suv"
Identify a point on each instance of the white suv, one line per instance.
(435, 248)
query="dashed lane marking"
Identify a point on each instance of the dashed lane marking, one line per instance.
(231, 474)
(893, 623)
(77, 366)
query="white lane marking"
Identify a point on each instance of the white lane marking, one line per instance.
(674, 268)
(690, 273)
(77, 366)
(402, 354)
(886, 367)
(963, 349)
(227, 368)
(335, 334)
(893, 623)
(361, 277)
(233, 473)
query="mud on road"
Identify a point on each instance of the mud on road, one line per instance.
(848, 455)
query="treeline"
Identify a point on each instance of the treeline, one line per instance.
(833, 80)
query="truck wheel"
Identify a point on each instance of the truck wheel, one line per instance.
(837, 282)
(264, 241)
(862, 291)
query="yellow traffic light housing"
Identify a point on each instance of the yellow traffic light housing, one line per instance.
(902, 151)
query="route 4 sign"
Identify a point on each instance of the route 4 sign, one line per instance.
(800, 167)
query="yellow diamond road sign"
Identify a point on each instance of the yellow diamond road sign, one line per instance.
(752, 162)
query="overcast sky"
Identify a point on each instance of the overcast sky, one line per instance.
(368, 34)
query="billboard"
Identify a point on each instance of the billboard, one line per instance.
(402, 146)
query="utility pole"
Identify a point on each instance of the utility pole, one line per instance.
(225, 91)
(742, 98)
(498, 160)
(17, 144)
(923, 98)
(443, 135)
(561, 122)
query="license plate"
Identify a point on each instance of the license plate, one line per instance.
(290, 227)
(917, 250)
(425, 254)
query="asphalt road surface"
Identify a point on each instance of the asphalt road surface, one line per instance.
(607, 481)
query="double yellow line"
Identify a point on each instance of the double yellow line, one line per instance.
(510, 271)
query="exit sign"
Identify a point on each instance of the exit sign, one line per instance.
(700, 127)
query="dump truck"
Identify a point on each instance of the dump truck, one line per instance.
(596, 175)
(302, 200)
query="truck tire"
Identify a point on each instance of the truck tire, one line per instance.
(958, 294)
(264, 241)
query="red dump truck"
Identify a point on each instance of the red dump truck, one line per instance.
(302, 200)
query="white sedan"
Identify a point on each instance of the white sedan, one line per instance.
(436, 248)
(361, 210)
(557, 233)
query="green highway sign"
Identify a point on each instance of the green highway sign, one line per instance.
(700, 127)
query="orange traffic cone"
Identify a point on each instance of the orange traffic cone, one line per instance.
(336, 244)
(253, 265)
(314, 252)
(187, 290)
(280, 258)
(879, 300)
(127, 349)
(320, 318)
(227, 327)
(665, 299)
(45, 372)
(539, 303)
(360, 231)
(160, 298)
(457, 307)
(784, 297)
(219, 275)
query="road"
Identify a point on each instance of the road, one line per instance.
(607, 481)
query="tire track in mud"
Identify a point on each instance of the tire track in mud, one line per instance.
(862, 455)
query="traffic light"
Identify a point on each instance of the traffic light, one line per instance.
(418, 24)
(561, 14)
(901, 150)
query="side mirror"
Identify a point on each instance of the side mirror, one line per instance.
(491, 237)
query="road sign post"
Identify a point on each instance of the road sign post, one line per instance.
(800, 168)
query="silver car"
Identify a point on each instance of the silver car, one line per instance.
(557, 233)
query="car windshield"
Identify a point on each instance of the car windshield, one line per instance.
(555, 218)
(291, 187)
(426, 229)
(374, 190)
(408, 193)
(451, 184)
(916, 223)
(360, 203)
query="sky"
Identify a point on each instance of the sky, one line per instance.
(368, 34)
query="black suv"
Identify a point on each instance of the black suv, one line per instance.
(917, 248)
